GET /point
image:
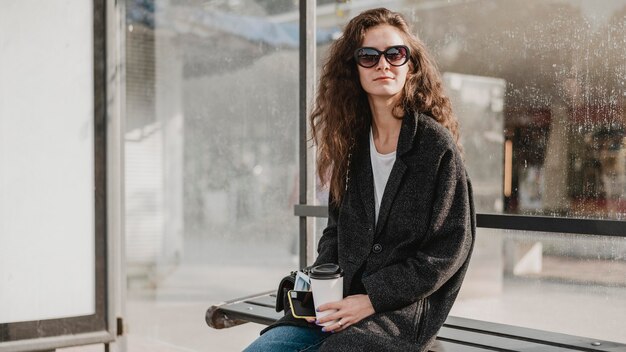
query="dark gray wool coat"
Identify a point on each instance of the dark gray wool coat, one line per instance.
(412, 263)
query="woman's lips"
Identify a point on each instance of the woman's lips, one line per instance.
(382, 78)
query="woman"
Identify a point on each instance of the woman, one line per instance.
(401, 218)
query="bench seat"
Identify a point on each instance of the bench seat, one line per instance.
(456, 335)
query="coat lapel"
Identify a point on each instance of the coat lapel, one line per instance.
(405, 143)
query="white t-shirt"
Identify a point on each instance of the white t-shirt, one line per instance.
(381, 168)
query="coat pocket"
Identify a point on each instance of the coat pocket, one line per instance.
(420, 318)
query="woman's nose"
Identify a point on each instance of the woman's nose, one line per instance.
(382, 63)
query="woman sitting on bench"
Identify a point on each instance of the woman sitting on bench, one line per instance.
(401, 217)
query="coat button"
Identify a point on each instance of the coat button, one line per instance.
(377, 248)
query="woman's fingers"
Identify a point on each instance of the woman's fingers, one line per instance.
(334, 316)
(334, 327)
(338, 321)
(330, 317)
(332, 305)
(337, 325)
(343, 324)
(350, 310)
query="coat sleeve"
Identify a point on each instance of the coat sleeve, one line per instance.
(327, 246)
(448, 242)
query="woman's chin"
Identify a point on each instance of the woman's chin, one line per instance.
(383, 93)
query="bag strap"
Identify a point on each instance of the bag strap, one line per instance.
(349, 161)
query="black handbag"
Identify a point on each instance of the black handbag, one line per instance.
(287, 283)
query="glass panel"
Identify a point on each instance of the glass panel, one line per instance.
(212, 163)
(572, 284)
(540, 90)
(47, 201)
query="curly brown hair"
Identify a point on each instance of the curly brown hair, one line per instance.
(342, 112)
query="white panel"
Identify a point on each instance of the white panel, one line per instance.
(47, 255)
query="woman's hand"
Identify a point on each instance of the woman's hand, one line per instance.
(350, 311)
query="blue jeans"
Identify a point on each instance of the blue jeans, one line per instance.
(286, 338)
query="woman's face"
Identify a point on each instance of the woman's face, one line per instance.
(383, 80)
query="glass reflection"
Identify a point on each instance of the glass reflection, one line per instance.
(212, 124)
(211, 162)
(540, 90)
(558, 146)
(571, 284)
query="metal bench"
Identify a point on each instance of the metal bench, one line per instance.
(456, 335)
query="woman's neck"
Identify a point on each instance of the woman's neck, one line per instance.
(385, 126)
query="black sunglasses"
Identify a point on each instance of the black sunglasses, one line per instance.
(396, 55)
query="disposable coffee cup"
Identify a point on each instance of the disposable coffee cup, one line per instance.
(327, 286)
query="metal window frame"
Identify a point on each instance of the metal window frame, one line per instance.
(101, 327)
(594, 227)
